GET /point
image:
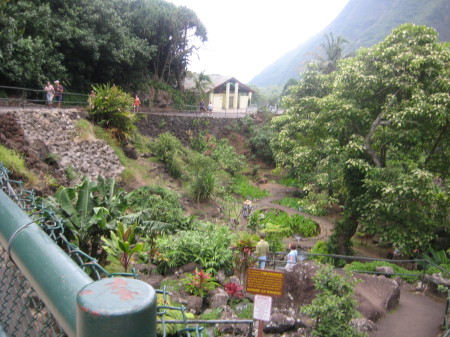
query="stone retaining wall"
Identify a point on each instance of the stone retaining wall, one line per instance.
(40, 133)
(153, 125)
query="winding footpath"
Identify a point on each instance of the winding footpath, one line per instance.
(417, 315)
(278, 192)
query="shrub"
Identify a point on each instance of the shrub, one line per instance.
(206, 243)
(166, 146)
(295, 224)
(202, 177)
(111, 109)
(321, 248)
(199, 283)
(220, 151)
(161, 204)
(334, 307)
(243, 257)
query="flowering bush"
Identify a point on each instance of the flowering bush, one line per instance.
(199, 283)
(243, 257)
(234, 290)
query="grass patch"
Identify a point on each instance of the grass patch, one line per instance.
(371, 266)
(289, 202)
(15, 163)
(241, 185)
(84, 130)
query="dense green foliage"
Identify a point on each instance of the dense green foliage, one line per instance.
(334, 306)
(89, 211)
(160, 204)
(375, 135)
(83, 42)
(110, 108)
(279, 225)
(206, 243)
(371, 267)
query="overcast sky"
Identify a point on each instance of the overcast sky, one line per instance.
(246, 36)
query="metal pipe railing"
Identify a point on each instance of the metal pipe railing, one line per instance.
(82, 307)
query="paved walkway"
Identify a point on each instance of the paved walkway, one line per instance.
(417, 315)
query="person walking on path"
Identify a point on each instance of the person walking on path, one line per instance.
(262, 248)
(58, 93)
(292, 256)
(210, 108)
(202, 106)
(50, 92)
(136, 104)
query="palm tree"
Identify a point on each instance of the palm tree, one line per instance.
(333, 49)
(201, 83)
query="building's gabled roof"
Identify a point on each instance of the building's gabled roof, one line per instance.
(218, 83)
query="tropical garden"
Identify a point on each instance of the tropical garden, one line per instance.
(367, 134)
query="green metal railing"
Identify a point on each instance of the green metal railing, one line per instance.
(49, 290)
(48, 287)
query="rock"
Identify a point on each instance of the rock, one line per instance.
(194, 304)
(235, 329)
(363, 324)
(190, 267)
(298, 288)
(219, 300)
(279, 323)
(130, 152)
(221, 277)
(388, 271)
(154, 280)
(40, 148)
(376, 295)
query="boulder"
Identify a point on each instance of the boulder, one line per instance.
(387, 271)
(190, 267)
(298, 289)
(376, 295)
(194, 304)
(280, 323)
(154, 280)
(218, 300)
(363, 324)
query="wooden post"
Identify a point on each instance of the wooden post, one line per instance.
(260, 329)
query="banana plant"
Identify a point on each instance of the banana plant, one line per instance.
(124, 245)
(89, 211)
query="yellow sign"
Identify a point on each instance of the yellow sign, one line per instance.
(265, 282)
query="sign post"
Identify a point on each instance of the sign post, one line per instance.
(264, 284)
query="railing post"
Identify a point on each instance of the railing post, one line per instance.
(116, 307)
(55, 277)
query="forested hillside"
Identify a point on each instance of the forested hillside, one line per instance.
(362, 23)
(83, 42)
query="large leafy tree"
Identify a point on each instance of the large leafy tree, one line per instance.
(375, 132)
(28, 54)
(85, 42)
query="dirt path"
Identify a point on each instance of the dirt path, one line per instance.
(416, 316)
(278, 192)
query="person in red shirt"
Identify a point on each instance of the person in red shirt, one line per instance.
(137, 103)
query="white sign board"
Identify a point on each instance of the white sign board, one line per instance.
(262, 308)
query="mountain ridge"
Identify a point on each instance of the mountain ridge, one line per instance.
(363, 23)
